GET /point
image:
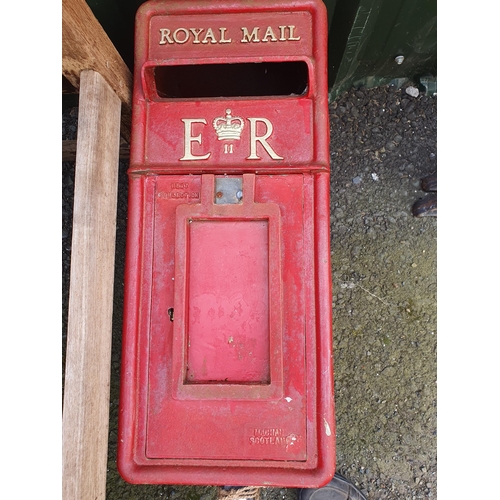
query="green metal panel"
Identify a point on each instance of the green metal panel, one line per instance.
(366, 36)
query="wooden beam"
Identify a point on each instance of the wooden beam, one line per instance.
(88, 352)
(69, 150)
(85, 45)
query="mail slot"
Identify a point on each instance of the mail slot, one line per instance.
(227, 374)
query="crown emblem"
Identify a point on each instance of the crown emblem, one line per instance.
(228, 127)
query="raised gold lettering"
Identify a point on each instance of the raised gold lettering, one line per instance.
(250, 37)
(254, 138)
(269, 34)
(290, 37)
(165, 36)
(196, 34)
(176, 35)
(209, 34)
(223, 38)
(189, 139)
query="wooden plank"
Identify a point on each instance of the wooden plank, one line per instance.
(88, 354)
(69, 150)
(87, 46)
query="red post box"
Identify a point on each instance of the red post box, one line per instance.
(227, 371)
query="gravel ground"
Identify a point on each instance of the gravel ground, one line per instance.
(383, 141)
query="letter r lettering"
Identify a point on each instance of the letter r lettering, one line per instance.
(254, 138)
(165, 36)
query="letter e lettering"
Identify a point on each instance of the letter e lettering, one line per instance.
(189, 139)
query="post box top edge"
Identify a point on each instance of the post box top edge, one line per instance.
(165, 7)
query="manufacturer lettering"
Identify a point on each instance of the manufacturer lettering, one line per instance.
(272, 437)
(179, 195)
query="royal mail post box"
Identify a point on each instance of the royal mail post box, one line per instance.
(227, 359)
